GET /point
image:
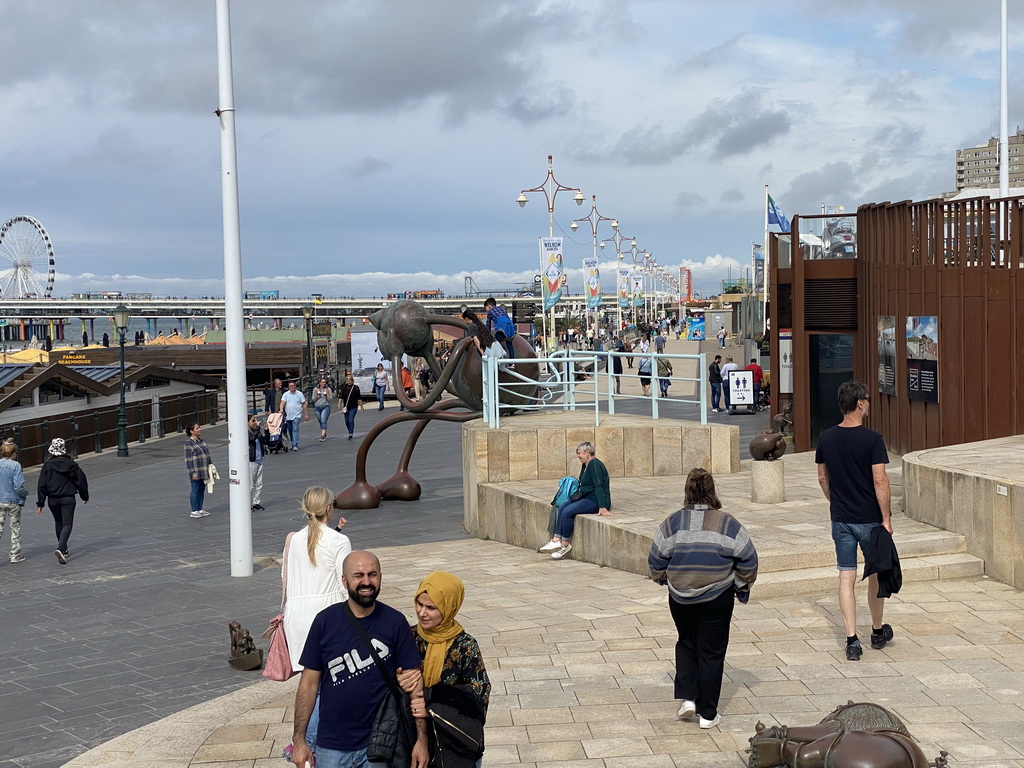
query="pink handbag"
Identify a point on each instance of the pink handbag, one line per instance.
(279, 660)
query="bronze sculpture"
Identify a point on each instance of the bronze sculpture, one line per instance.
(855, 735)
(405, 328)
(783, 419)
(767, 446)
(245, 655)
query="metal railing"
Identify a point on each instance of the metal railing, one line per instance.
(570, 379)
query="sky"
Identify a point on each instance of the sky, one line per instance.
(382, 145)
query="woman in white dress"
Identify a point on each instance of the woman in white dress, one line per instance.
(311, 575)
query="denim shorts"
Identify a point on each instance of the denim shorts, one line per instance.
(331, 758)
(847, 536)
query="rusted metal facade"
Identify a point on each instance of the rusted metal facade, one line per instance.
(961, 261)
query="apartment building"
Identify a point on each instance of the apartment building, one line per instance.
(979, 166)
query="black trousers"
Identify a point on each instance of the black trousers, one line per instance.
(63, 510)
(700, 650)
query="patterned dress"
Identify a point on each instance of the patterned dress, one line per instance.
(463, 665)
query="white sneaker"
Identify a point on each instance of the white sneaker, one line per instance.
(203, 513)
(562, 552)
(688, 709)
(705, 724)
(197, 514)
(551, 546)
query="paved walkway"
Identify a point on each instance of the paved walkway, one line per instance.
(581, 658)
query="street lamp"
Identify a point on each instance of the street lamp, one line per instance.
(121, 317)
(616, 239)
(307, 315)
(594, 219)
(550, 187)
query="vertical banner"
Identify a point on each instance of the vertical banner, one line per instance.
(623, 287)
(638, 290)
(592, 280)
(758, 286)
(887, 354)
(696, 330)
(551, 259)
(923, 358)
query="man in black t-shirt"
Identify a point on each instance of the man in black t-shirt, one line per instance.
(339, 666)
(851, 463)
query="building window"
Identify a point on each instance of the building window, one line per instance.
(55, 392)
(151, 381)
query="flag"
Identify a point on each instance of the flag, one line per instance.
(623, 287)
(592, 282)
(551, 263)
(777, 217)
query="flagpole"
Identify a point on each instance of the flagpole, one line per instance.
(1004, 120)
(767, 266)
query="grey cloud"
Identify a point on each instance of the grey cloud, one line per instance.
(367, 166)
(713, 56)
(117, 148)
(894, 91)
(732, 195)
(732, 126)
(686, 200)
(834, 183)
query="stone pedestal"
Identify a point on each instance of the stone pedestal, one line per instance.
(767, 482)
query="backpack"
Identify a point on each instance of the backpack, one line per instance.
(567, 486)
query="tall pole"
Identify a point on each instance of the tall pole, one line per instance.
(122, 417)
(1004, 119)
(238, 440)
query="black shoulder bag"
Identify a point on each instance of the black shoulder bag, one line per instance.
(394, 732)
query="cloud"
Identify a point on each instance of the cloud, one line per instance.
(367, 166)
(732, 195)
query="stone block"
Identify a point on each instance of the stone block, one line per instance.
(551, 459)
(767, 482)
(637, 451)
(522, 455)
(609, 449)
(667, 440)
(573, 437)
(695, 448)
(725, 447)
(497, 456)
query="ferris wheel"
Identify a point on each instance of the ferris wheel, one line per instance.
(26, 259)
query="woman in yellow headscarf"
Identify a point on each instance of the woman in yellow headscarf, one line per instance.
(456, 688)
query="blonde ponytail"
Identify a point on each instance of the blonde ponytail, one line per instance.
(317, 502)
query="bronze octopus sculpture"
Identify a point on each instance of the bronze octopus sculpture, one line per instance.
(855, 735)
(406, 328)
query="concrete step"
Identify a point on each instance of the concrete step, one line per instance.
(823, 554)
(805, 581)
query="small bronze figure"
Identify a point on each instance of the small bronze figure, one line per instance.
(767, 446)
(245, 655)
(784, 419)
(860, 735)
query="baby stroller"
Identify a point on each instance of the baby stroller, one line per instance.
(274, 442)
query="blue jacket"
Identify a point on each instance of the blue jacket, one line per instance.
(12, 483)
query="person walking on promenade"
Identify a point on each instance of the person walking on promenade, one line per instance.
(594, 496)
(257, 450)
(348, 401)
(59, 480)
(729, 366)
(294, 408)
(12, 497)
(351, 694)
(197, 462)
(664, 374)
(322, 397)
(380, 385)
(454, 677)
(721, 337)
(617, 364)
(715, 380)
(757, 378)
(311, 577)
(659, 344)
(272, 396)
(708, 561)
(851, 463)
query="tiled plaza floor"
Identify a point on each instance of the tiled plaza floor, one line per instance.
(581, 661)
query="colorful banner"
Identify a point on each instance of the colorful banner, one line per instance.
(695, 328)
(638, 290)
(551, 264)
(592, 281)
(623, 287)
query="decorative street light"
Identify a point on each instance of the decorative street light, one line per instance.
(550, 187)
(307, 315)
(616, 239)
(594, 219)
(121, 317)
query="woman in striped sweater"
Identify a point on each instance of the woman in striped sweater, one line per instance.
(707, 560)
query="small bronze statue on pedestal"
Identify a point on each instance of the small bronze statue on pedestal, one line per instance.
(783, 419)
(245, 656)
(767, 446)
